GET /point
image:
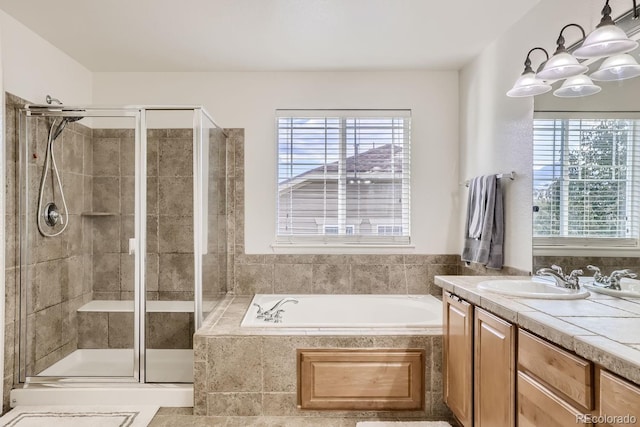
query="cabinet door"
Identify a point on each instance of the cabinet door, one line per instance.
(619, 401)
(458, 357)
(494, 382)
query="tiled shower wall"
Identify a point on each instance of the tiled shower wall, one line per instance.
(169, 214)
(58, 268)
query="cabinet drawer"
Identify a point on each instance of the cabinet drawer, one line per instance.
(566, 374)
(619, 398)
(537, 406)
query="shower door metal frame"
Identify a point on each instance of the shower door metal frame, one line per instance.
(139, 113)
(140, 141)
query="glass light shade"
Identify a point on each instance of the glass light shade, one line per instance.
(577, 86)
(605, 40)
(617, 67)
(528, 85)
(561, 66)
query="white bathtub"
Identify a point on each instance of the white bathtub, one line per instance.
(348, 311)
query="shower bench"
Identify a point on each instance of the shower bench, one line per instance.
(109, 324)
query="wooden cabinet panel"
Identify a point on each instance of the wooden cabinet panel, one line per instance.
(357, 379)
(458, 357)
(570, 376)
(494, 375)
(537, 406)
(618, 398)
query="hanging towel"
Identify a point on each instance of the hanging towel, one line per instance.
(477, 206)
(486, 247)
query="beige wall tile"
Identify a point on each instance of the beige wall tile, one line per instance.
(234, 404)
(175, 272)
(106, 157)
(292, 278)
(121, 328)
(93, 329)
(254, 279)
(372, 279)
(234, 364)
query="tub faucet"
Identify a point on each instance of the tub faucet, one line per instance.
(274, 314)
(569, 281)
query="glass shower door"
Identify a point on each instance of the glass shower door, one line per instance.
(169, 308)
(77, 279)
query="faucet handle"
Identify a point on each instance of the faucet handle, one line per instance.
(260, 313)
(593, 268)
(576, 273)
(557, 269)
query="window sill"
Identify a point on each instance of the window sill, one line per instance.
(596, 251)
(345, 248)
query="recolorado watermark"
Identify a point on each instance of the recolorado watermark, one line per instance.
(606, 419)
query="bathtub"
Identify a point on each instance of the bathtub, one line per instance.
(348, 311)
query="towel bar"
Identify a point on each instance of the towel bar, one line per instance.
(511, 175)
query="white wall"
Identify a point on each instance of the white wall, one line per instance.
(33, 67)
(496, 131)
(248, 100)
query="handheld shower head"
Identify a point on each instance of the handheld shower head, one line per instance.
(63, 123)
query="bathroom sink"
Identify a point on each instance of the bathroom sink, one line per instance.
(630, 288)
(531, 288)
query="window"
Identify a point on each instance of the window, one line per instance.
(340, 174)
(586, 181)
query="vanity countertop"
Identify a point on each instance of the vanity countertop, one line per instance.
(600, 328)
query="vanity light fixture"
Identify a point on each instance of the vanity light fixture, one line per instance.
(528, 84)
(617, 67)
(562, 64)
(577, 86)
(607, 39)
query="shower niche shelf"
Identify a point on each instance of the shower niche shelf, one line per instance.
(92, 213)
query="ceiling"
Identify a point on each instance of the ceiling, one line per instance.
(262, 35)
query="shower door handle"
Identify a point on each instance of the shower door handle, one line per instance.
(132, 246)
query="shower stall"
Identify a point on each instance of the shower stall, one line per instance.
(122, 243)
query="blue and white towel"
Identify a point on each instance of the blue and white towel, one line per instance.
(484, 228)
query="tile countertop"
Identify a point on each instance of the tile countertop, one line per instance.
(600, 328)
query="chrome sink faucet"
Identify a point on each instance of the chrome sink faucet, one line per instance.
(613, 280)
(274, 314)
(569, 281)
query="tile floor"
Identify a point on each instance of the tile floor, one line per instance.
(183, 417)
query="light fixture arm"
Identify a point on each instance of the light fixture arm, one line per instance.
(606, 14)
(527, 62)
(560, 42)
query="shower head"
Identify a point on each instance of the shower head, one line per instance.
(58, 130)
(50, 99)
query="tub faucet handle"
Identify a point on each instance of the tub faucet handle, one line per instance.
(260, 312)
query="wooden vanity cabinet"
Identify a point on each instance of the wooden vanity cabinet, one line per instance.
(479, 365)
(457, 366)
(617, 397)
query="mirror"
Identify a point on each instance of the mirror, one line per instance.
(595, 143)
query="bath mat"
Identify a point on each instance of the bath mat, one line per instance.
(403, 424)
(80, 416)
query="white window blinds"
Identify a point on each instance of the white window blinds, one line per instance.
(586, 181)
(343, 174)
